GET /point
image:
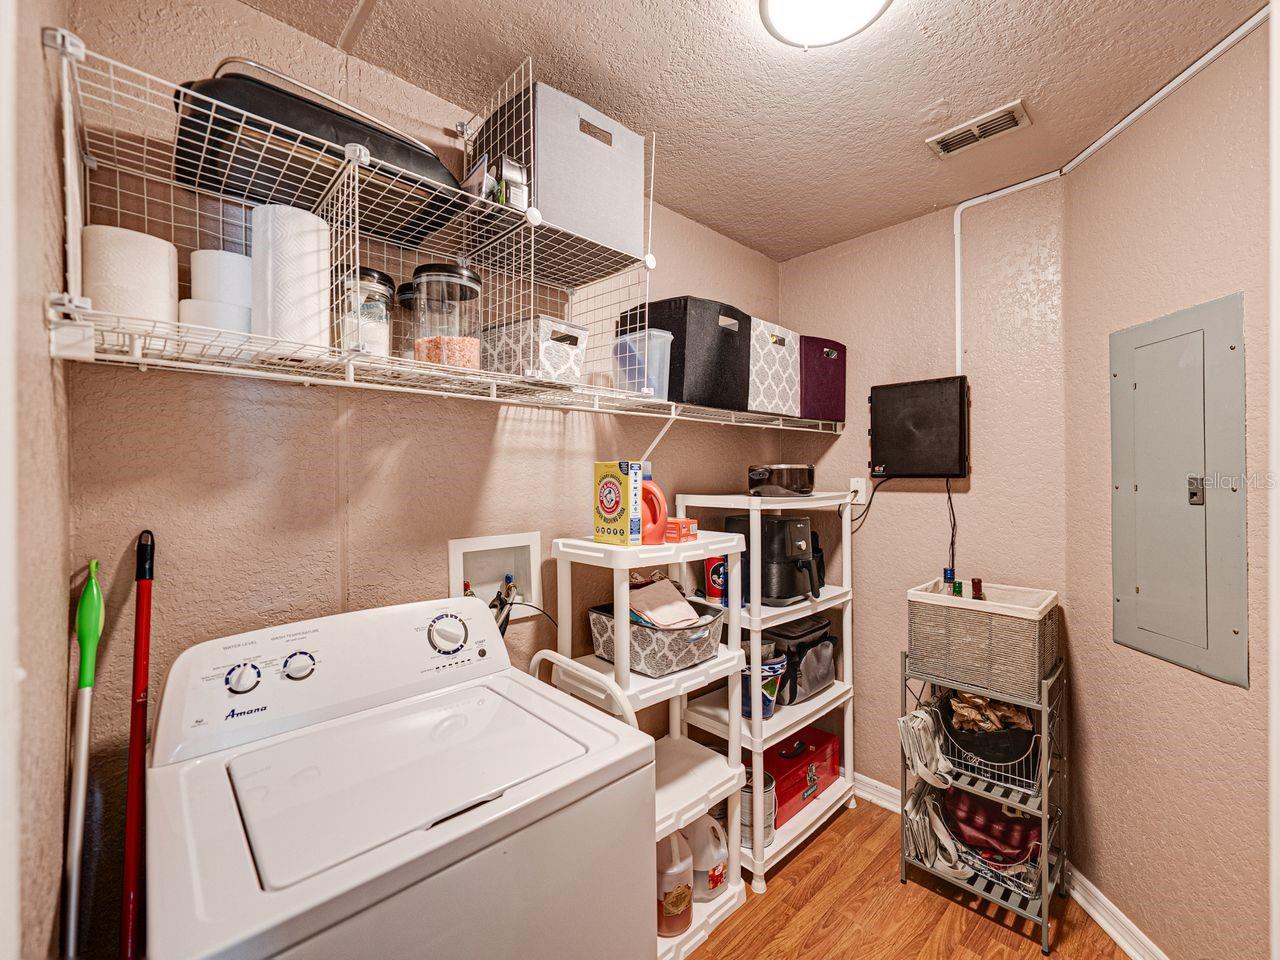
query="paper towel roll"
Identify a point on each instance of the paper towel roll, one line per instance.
(290, 275)
(222, 316)
(129, 273)
(222, 277)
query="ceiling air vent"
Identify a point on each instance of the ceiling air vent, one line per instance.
(1011, 116)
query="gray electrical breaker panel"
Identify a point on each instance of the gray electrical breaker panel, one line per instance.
(1178, 550)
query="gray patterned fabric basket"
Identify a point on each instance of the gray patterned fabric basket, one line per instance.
(1006, 643)
(654, 652)
(538, 347)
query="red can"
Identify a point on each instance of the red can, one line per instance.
(802, 766)
(718, 580)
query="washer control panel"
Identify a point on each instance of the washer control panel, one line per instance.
(254, 685)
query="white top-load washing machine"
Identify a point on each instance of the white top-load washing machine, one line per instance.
(384, 784)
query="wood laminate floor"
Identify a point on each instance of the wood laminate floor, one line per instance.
(838, 898)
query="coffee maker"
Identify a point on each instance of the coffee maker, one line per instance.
(792, 566)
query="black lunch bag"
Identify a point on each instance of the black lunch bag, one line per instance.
(810, 650)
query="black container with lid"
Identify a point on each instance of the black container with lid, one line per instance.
(710, 349)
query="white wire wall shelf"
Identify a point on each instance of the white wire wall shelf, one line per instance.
(163, 159)
(78, 333)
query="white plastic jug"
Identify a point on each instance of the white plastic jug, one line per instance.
(710, 849)
(675, 885)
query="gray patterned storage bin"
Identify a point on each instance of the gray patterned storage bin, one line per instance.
(654, 652)
(1006, 643)
(775, 369)
(540, 347)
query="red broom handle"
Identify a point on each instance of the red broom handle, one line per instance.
(135, 795)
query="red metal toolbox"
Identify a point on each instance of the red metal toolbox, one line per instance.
(802, 766)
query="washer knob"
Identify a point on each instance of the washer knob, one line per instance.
(447, 634)
(299, 665)
(243, 677)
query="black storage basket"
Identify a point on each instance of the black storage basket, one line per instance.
(710, 350)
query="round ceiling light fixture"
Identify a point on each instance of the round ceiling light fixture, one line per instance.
(819, 23)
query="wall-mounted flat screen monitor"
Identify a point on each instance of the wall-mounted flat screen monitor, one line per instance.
(920, 429)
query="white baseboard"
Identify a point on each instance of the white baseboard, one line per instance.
(881, 794)
(1136, 944)
(1115, 924)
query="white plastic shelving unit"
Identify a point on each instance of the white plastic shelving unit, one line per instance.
(690, 778)
(719, 712)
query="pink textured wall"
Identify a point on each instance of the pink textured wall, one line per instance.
(1172, 787)
(273, 503)
(43, 510)
(1170, 767)
(888, 295)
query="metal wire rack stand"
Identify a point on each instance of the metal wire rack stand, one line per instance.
(1034, 784)
(148, 155)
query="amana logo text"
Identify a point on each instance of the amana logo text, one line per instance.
(233, 712)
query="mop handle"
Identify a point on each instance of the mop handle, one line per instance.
(135, 795)
(75, 821)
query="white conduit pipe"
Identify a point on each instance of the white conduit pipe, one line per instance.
(1218, 50)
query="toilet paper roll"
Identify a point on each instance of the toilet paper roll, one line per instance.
(222, 277)
(130, 274)
(290, 275)
(222, 316)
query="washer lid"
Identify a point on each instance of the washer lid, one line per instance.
(316, 800)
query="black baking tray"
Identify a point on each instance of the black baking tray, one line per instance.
(233, 152)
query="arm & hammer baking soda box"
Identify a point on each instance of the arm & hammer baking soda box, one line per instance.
(617, 505)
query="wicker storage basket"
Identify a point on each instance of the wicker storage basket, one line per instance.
(1006, 643)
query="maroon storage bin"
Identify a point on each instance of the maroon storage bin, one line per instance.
(822, 379)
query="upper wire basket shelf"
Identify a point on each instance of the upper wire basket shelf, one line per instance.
(134, 123)
(160, 158)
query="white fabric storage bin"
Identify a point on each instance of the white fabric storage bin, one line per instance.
(541, 348)
(775, 369)
(588, 169)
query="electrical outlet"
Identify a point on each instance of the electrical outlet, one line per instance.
(858, 487)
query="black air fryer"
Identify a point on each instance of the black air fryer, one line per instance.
(792, 565)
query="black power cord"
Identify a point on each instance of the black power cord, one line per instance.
(521, 603)
(861, 518)
(951, 510)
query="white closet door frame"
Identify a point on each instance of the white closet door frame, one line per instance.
(10, 918)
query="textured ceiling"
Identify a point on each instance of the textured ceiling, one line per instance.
(787, 150)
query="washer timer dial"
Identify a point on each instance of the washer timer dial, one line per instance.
(447, 634)
(242, 678)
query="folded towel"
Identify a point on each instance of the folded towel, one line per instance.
(662, 605)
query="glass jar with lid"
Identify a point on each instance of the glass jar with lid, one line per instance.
(366, 323)
(405, 329)
(446, 306)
